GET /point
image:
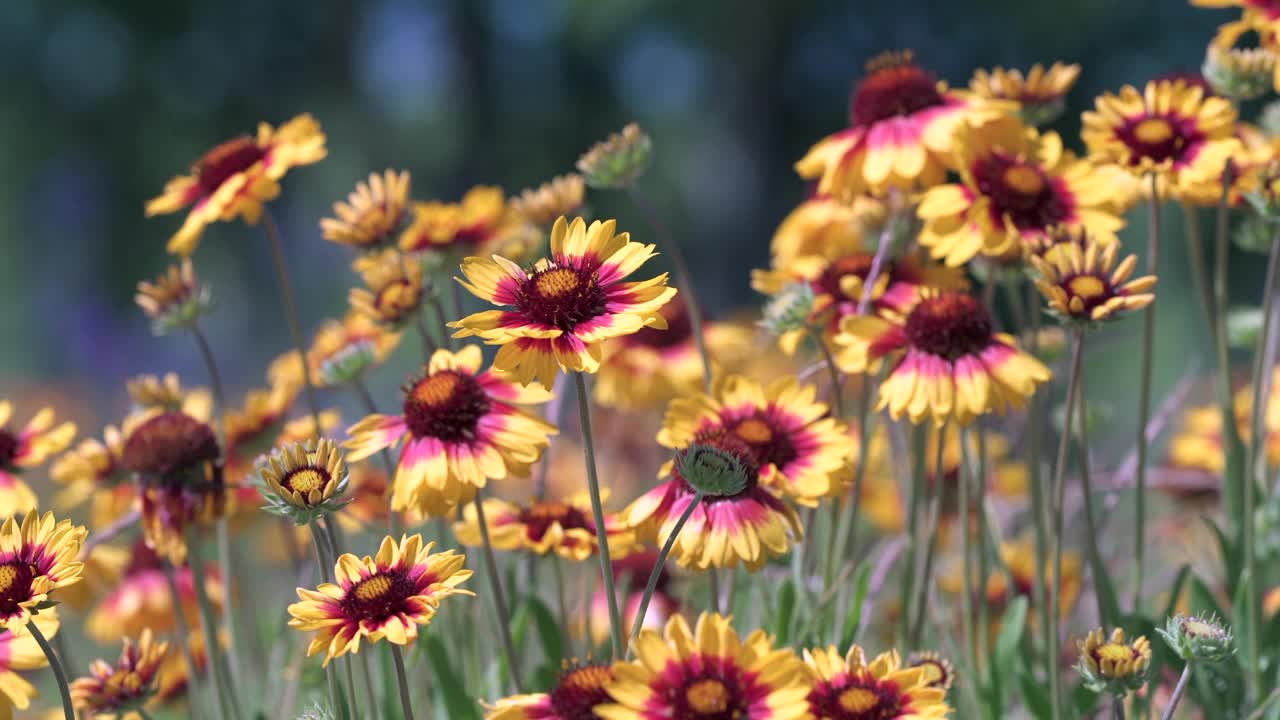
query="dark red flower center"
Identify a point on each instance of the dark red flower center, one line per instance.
(715, 689)
(15, 585)
(539, 517)
(378, 596)
(8, 448)
(1093, 290)
(831, 281)
(169, 443)
(561, 297)
(579, 691)
(225, 160)
(893, 87)
(728, 441)
(858, 698)
(769, 444)
(937, 672)
(950, 325)
(446, 405)
(679, 329)
(474, 234)
(1159, 138)
(1020, 190)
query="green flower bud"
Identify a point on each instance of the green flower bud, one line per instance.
(1239, 73)
(618, 161)
(1199, 639)
(304, 481)
(712, 471)
(790, 309)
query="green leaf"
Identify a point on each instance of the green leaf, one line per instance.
(786, 612)
(450, 686)
(1175, 590)
(1012, 626)
(1229, 550)
(548, 629)
(853, 619)
(1240, 614)
(1085, 701)
(1035, 695)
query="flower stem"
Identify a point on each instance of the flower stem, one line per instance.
(1059, 490)
(968, 597)
(335, 548)
(428, 343)
(597, 511)
(393, 518)
(931, 542)
(290, 310)
(1178, 692)
(562, 607)
(370, 694)
(499, 598)
(184, 634)
(406, 705)
(324, 562)
(661, 562)
(918, 472)
(683, 277)
(217, 659)
(1144, 401)
(68, 710)
(1117, 707)
(1097, 566)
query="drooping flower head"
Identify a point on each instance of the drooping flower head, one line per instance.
(1113, 664)
(175, 299)
(461, 429)
(372, 214)
(901, 124)
(577, 692)
(946, 360)
(376, 598)
(707, 672)
(124, 686)
(565, 527)
(22, 654)
(1040, 93)
(236, 178)
(36, 557)
(1170, 129)
(141, 599)
(25, 448)
(557, 197)
(847, 687)
(1081, 283)
(394, 288)
(565, 306)
(1017, 186)
(481, 223)
(174, 458)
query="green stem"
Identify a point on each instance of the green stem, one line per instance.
(1059, 489)
(325, 563)
(661, 563)
(1039, 589)
(335, 549)
(713, 589)
(845, 534)
(969, 595)
(1178, 691)
(290, 310)
(984, 562)
(428, 343)
(1233, 482)
(393, 518)
(918, 463)
(684, 279)
(1117, 707)
(1144, 402)
(1199, 273)
(184, 633)
(499, 597)
(68, 710)
(930, 544)
(406, 705)
(597, 511)
(1097, 566)
(370, 694)
(226, 695)
(562, 607)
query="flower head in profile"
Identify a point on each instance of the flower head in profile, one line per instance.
(393, 289)
(372, 214)
(1040, 93)
(22, 654)
(481, 223)
(1239, 73)
(562, 309)
(461, 428)
(847, 687)
(946, 361)
(166, 393)
(304, 481)
(37, 557)
(1112, 664)
(617, 161)
(1170, 130)
(1201, 638)
(376, 598)
(92, 472)
(28, 447)
(1016, 187)
(344, 349)
(938, 672)
(577, 692)
(560, 196)
(901, 125)
(235, 179)
(564, 527)
(1081, 282)
(124, 686)
(822, 223)
(175, 299)
(708, 671)
(174, 458)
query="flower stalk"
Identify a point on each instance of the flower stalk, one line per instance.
(290, 310)
(1059, 490)
(499, 597)
(652, 585)
(64, 689)
(1144, 399)
(597, 510)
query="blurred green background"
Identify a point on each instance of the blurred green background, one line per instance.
(104, 101)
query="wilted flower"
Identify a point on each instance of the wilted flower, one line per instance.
(1199, 639)
(304, 481)
(122, 687)
(175, 299)
(1113, 665)
(372, 213)
(562, 195)
(1040, 94)
(395, 290)
(617, 161)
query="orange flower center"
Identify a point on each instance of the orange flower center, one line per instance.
(224, 161)
(1020, 192)
(950, 325)
(305, 480)
(557, 283)
(1023, 179)
(579, 691)
(1086, 286)
(436, 390)
(893, 87)
(707, 697)
(858, 700)
(373, 588)
(8, 575)
(1153, 131)
(754, 430)
(380, 596)
(445, 405)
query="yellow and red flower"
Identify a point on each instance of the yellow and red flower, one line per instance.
(394, 283)
(821, 223)
(1080, 281)
(901, 128)
(482, 223)
(344, 349)
(92, 471)
(1040, 93)
(565, 527)
(559, 196)
(1170, 130)
(175, 299)
(142, 598)
(37, 557)
(796, 446)
(237, 177)
(124, 686)
(707, 672)
(21, 654)
(579, 689)
(566, 306)
(372, 213)
(376, 598)
(461, 428)
(946, 360)
(1016, 186)
(847, 687)
(26, 448)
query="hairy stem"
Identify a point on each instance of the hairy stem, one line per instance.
(1178, 691)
